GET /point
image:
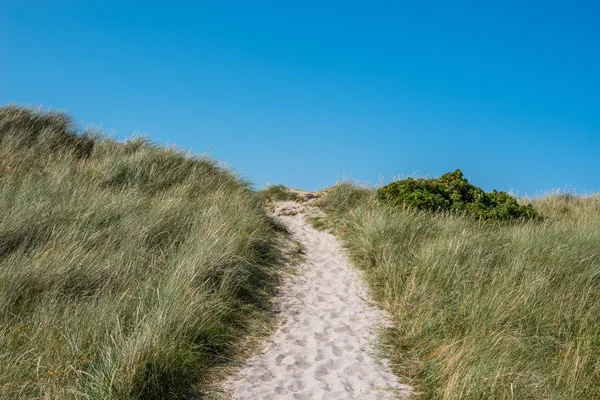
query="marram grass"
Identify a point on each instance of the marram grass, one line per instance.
(127, 270)
(482, 310)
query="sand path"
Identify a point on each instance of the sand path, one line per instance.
(324, 347)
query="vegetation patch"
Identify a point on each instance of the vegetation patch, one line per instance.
(127, 270)
(453, 193)
(278, 192)
(482, 311)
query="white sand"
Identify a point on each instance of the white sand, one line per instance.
(324, 348)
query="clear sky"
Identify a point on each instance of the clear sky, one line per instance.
(307, 92)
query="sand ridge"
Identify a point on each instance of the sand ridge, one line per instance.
(324, 347)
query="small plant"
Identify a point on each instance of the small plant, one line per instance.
(453, 193)
(278, 193)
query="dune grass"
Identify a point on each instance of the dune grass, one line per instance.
(482, 310)
(127, 270)
(278, 192)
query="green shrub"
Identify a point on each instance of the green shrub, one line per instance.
(453, 193)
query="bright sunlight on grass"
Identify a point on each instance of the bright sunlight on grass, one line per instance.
(127, 270)
(482, 310)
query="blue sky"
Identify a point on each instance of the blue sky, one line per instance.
(307, 92)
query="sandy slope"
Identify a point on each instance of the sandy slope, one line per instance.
(324, 346)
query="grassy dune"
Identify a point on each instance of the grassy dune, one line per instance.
(126, 270)
(482, 310)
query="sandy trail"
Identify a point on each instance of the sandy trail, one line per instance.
(324, 347)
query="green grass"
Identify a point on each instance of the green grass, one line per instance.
(127, 271)
(278, 193)
(482, 310)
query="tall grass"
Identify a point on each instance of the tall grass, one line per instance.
(278, 192)
(481, 310)
(126, 270)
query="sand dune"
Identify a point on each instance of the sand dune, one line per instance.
(324, 348)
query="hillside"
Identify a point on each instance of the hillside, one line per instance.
(482, 310)
(134, 271)
(127, 270)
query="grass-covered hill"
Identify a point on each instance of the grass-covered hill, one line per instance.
(482, 310)
(127, 270)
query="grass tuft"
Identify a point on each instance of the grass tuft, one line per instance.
(278, 193)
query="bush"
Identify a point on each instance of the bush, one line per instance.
(453, 193)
